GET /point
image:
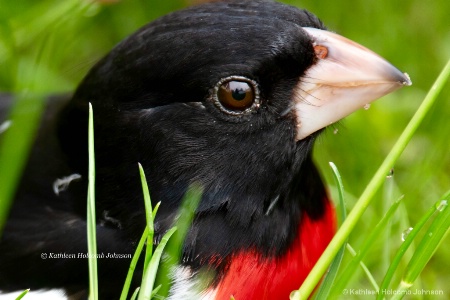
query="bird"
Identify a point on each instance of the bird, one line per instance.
(229, 96)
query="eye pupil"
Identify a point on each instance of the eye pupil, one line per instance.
(238, 94)
(235, 95)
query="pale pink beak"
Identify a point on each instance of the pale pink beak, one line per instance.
(346, 77)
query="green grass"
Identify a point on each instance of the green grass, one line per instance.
(91, 224)
(38, 40)
(22, 294)
(328, 282)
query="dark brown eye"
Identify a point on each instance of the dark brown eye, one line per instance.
(236, 94)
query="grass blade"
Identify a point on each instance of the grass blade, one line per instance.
(149, 217)
(330, 277)
(364, 267)
(155, 210)
(387, 200)
(15, 145)
(135, 294)
(340, 185)
(341, 236)
(150, 274)
(426, 248)
(22, 294)
(147, 236)
(350, 270)
(402, 250)
(91, 224)
(429, 243)
(155, 291)
(134, 260)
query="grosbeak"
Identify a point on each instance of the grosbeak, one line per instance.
(229, 96)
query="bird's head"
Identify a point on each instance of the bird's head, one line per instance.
(228, 94)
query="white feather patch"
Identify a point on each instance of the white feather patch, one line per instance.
(186, 286)
(61, 184)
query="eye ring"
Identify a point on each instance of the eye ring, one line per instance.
(236, 95)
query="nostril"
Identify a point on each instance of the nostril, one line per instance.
(321, 51)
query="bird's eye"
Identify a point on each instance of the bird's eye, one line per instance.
(236, 94)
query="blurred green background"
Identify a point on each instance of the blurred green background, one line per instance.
(47, 47)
